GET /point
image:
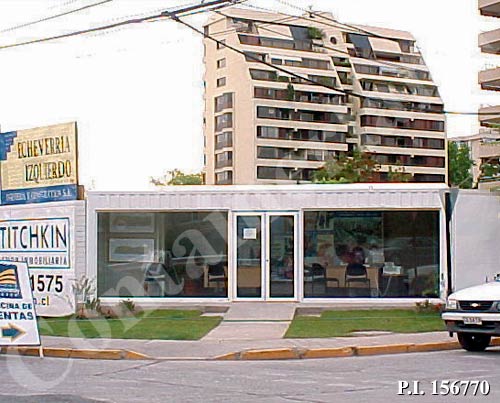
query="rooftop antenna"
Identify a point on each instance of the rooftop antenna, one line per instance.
(311, 14)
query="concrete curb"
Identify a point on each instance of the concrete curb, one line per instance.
(359, 351)
(247, 355)
(87, 354)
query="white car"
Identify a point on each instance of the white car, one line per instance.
(474, 315)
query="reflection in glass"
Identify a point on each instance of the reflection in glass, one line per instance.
(162, 255)
(371, 254)
(248, 257)
(282, 260)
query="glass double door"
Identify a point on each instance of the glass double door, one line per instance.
(266, 256)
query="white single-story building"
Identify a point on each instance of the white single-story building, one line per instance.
(271, 243)
(369, 243)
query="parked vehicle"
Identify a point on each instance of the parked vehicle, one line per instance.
(474, 315)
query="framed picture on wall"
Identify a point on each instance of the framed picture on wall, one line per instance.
(131, 222)
(131, 250)
(325, 221)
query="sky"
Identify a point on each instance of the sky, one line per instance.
(137, 92)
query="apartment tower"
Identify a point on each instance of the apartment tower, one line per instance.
(325, 88)
(486, 147)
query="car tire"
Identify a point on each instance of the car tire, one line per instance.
(474, 341)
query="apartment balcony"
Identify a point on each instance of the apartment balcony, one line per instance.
(495, 132)
(489, 8)
(278, 43)
(489, 116)
(409, 169)
(490, 79)
(490, 185)
(489, 42)
(488, 150)
(223, 144)
(400, 106)
(289, 163)
(224, 164)
(403, 151)
(393, 72)
(341, 62)
(322, 101)
(297, 137)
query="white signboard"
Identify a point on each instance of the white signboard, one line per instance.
(249, 233)
(45, 245)
(18, 325)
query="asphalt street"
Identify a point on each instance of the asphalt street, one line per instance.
(355, 379)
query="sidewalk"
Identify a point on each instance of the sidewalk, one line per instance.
(248, 331)
(211, 349)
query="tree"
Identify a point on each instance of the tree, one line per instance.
(398, 174)
(490, 169)
(315, 33)
(177, 177)
(459, 165)
(343, 169)
(290, 92)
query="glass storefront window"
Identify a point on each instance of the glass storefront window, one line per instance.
(162, 254)
(371, 254)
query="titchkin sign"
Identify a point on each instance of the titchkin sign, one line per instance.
(45, 245)
(42, 243)
(39, 165)
(18, 325)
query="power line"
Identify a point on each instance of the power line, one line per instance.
(189, 10)
(291, 73)
(328, 47)
(135, 15)
(344, 92)
(66, 3)
(337, 25)
(383, 62)
(264, 23)
(286, 71)
(52, 17)
(316, 14)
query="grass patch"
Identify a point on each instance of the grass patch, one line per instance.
(159, 324)
(343, 323)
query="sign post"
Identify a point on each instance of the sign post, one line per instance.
(18, 323)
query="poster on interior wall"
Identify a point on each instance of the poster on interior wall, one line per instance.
(131, 222)
(131, 250)
(45, 245)
(39, 165)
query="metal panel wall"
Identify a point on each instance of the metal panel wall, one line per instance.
(375, 196)
(75, 212)
(475, 235)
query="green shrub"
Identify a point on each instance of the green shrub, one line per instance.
(428, 307)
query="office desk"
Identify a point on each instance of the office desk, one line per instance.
(339, 273)
(394, 285)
